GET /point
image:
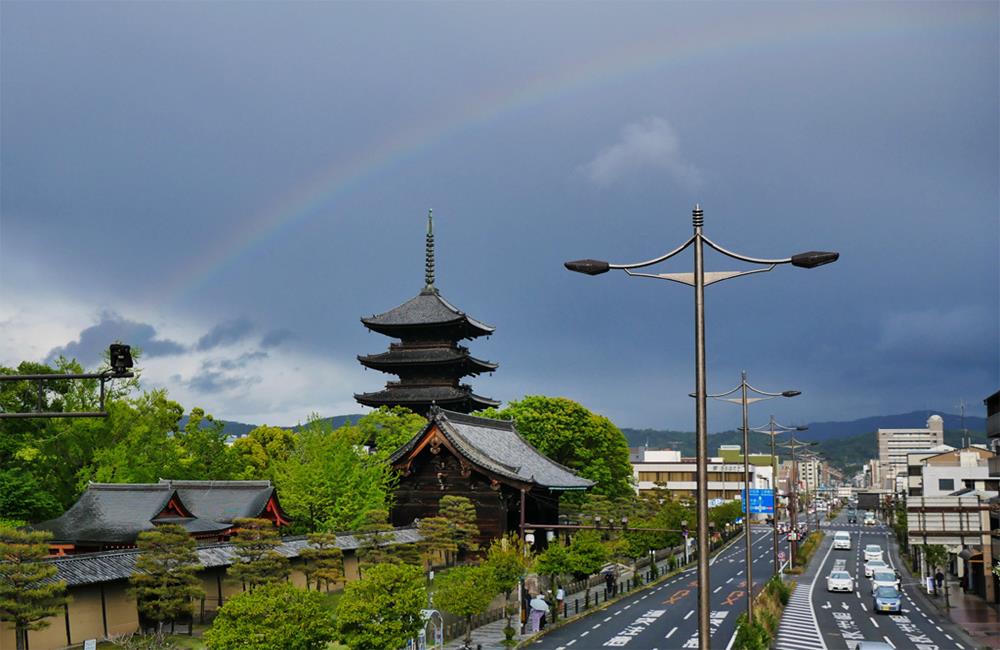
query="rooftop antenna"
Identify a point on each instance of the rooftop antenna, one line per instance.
(961, 405)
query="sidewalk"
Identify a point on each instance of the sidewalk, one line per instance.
(978, 619)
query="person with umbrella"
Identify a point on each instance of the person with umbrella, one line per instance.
(539, 608)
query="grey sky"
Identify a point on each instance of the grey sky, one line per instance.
(210, 180)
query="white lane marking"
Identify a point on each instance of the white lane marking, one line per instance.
(873, 621)
(948, 636)
(607, 619)
(595, 626)
(728, 581)
(889, 641)
(960, 646)
(584, 633)
(938, 627)
(670, 633)
(688, 615)
(571, 642)
(864, 607)
(717, 589)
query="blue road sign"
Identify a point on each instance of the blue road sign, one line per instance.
(761, 501)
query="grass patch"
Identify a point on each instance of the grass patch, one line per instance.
(768, 607)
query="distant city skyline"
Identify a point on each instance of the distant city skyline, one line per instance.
(232, 190)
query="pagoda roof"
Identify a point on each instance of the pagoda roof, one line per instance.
(496, 447)
(398, 357)
(115, 513)
(426, 309)
(417, 395)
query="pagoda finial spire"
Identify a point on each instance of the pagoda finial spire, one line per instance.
(429, 252)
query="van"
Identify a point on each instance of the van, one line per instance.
(842, 541)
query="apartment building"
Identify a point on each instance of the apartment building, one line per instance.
(666, 469)
(895, 444)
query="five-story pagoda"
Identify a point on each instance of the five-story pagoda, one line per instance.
(427, 359)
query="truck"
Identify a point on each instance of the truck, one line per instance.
(868, 501)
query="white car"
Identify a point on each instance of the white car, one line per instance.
(873, 552)
(842, 541)
(839, 581)
(884, 579)
(870, 519)
(872, 566)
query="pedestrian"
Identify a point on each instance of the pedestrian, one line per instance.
(560, 597)
(938, 581)
(609, 582)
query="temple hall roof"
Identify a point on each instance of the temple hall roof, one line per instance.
(497, 447)
(115, 513)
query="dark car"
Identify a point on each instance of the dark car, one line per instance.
(852, 516)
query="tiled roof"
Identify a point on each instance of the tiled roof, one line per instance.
(398, 356)
(115, 513)
(107, 566)
(404, 395)
(496, 446)
(427, 308)
(223, 501)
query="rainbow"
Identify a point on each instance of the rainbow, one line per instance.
(727, 40)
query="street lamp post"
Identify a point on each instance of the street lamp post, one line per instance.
(793, 503)
(699, 280)
(773, 429)
(745, 400)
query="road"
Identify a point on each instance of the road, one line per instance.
(665, 617)
(847, 617)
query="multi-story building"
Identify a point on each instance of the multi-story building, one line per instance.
(810, 474)
(666, 469)
(895, 444)
(957, 471)
(915, 468)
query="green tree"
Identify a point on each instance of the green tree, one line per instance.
(329, 482)
(465, 591)
(165, 581)
(376, 536)
(204, 453)
(382, 610)
(461, 515)
(507, 560)
(27, 597)
(273, 617)
(437, 539)
(389, 428)
(554, 562)
(257, 454)
(937, 557)
(324, 561)
(257, 560)
(571, 435)
(586, 553)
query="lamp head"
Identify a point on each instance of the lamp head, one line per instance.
(812, 259)
(791, 393)
(588, 267)
(802, 428)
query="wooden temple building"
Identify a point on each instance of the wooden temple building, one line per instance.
(110, 516)
(428, 359)
(487, 461)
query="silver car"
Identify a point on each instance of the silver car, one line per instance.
(882, 578)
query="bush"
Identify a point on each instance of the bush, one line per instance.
(768, 606)
(276, 616)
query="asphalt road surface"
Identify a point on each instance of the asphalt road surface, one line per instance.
(665, 617)
(844, 618)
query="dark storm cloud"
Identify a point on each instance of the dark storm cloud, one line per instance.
(228, 332)
(94, 341)
(241, 361)
(276, 337)
(209, 381)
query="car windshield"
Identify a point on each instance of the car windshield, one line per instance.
(887, 592)
(872, 549)
(877, 564)
(842, 534)
(840, 575)
(885, 576)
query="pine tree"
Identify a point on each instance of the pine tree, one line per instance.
(324, 561)
(461, 513)
(27, 594)
(258, 562)
(165, 582)
(437, 539)
(376, 536)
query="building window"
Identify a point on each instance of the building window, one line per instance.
(946, 484)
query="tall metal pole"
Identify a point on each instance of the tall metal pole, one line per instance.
(701, 432)
(794, 507)
(747, 531)
(774, 500)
